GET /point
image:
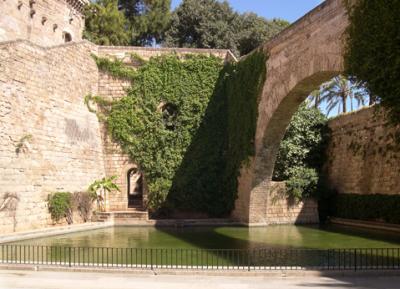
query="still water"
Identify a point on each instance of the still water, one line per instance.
(280, 237)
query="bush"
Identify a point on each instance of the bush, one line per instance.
(302, 153)
(60, 206)
(375, 207)
(302, 182)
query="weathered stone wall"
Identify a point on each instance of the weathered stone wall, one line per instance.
(49, 141)
(284, 210)
(43, 22)
(364, 157)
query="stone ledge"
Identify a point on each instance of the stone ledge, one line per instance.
(366, 224)
(47, 232)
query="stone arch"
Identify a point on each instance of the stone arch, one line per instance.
(301, 58)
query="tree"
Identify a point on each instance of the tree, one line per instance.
(214, 24)
(148, 19)
(338, 91)
(105, 24)
(301, 153)
(99, 188)
(254, 30)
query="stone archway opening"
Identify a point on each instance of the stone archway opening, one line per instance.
(135, 188)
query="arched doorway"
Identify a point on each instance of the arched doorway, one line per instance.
(135, 188)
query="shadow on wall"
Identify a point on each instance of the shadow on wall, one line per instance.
(207, 179)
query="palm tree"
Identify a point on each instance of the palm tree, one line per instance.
(337, 92)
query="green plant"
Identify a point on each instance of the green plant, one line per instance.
(181, 170)
(60, 206)
(302, 182)
(375, 207)
(99, 188)
(302, 152)
(115, 68)
(373, 53)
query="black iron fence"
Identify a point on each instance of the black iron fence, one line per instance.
(221, 259)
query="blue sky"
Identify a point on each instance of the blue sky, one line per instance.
(290, 10)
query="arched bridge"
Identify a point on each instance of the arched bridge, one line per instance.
(301, 58)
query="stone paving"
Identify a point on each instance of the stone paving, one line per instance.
(78, 280)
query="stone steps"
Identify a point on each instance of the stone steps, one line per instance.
(129, 215)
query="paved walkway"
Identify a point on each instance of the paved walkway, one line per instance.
(79, 280)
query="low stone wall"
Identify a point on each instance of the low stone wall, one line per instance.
(363, 156)
(284, 210)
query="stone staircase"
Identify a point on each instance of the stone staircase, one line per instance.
(130, 216)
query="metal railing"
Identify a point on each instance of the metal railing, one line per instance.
(221, 259)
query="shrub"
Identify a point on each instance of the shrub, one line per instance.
(302, 152)
(302, 182)
(60, 206)
(376, 207)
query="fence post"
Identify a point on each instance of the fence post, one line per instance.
(151, 259)
(69, 256)
(248, 260)
(355, 259)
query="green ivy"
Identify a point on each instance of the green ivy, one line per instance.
(376, 207)
(373, 49)
(192, 163)
(115, 68)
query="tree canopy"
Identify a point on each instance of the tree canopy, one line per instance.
(126, 22)
(105, 24)
(214, 24)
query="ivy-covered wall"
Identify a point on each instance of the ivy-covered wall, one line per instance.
(182, 122)
(373, 49)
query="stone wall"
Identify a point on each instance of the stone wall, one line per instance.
(363, 155)
(49, 141)
(284, 210)
(43, 22)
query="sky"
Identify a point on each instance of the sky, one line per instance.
(290, 10)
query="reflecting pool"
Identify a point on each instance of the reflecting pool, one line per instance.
(280, 237)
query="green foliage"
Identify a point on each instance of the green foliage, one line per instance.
(214, 24)
(196, 160)
(60, 206)
(107, 184)
(105, 24)
(302, 183)
(375, 207)
(114, 67)
(373, 50)
(207, 180)
(148, 19)
(302, 153)
(303, 146)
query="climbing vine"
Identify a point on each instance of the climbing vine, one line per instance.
(373, 49)
(183, 122)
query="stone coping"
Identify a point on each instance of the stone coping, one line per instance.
(52, 231)
(67, 229)
(366, 224)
